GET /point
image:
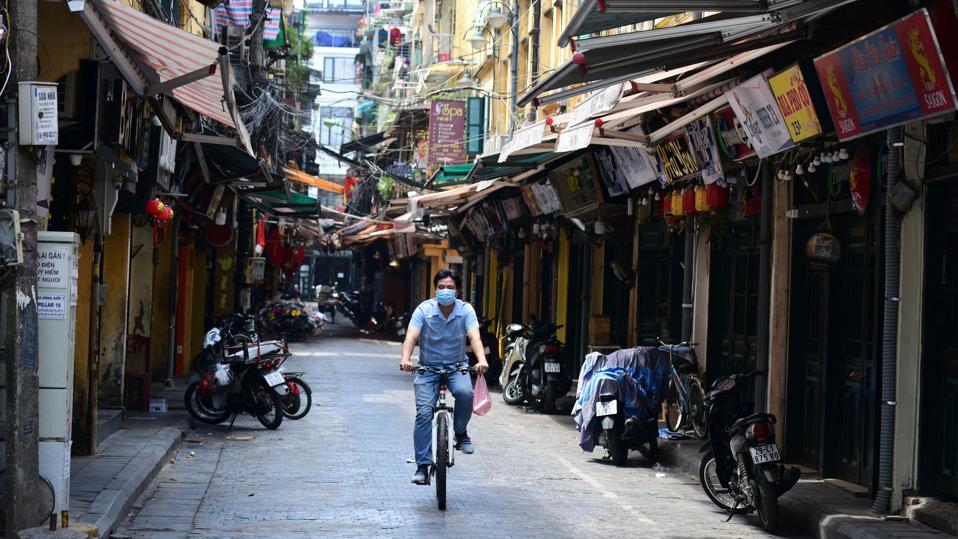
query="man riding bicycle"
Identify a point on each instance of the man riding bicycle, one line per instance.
(440, 326)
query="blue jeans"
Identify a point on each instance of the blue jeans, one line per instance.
(427, 392)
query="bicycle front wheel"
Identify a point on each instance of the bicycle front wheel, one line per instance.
(442, 458)
(674, 411)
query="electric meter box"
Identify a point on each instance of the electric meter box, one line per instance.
(37, 114)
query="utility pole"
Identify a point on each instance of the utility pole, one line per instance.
(26, 498)
(534, 37)
(514, 66)
(258, 19)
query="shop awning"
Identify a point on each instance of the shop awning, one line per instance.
(280, 204)
(450, 175)
(308, 179)
(224, 163)
(609, 60)
(363, 144)
(156, 58)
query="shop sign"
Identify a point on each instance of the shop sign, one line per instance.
(530, 198)
(731, 135)
(525, 138)
(888, 77)
(447, 124)
(795, 104)
(676, 157)
(575, 138)
(613, 180)
(495, 217)
(512, 208)
(576, 185)
(637, 165)
(602, 101)
(755, 107)
(546, 197)
(704, 148)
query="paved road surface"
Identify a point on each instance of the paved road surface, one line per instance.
(342, 471)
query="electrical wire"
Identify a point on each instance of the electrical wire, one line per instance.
(6, 42)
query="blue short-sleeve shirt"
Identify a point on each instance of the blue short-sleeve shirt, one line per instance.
(442, 341)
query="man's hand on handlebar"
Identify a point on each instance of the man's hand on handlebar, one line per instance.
(481, 367)
(407, 366)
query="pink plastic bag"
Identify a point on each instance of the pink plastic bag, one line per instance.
(481, 399)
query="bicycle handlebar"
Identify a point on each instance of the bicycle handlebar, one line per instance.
(458, 367)
(679, 345)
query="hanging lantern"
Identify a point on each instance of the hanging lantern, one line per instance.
(823, 250)
(860, 178)
(154, 207)
(667, 204)
(688, 201)
(678, 208)
(165, 215)
(701, 200)
(716, 196)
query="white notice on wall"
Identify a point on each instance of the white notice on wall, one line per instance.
(51, 306)
(52, 268)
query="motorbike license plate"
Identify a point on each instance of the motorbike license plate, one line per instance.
(764, 453)
(486, 350)
(606, 408)
(274, 378)
(553, 367)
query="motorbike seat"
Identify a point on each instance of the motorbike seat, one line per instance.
(255, 350)
(744, 422)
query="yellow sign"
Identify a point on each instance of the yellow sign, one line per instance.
(791, 94)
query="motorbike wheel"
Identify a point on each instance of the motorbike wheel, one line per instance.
(296, 407)
(708, 477)
(513, 394)
(650, 450)
(548, 403)
(273, 417)
(442, 458)
(697, 414)
(201, 406)
(766, 503)
(674, 415)
(618, 448)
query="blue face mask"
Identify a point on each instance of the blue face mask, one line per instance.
(446, 296)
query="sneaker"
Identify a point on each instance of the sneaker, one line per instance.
(421, 477)
(464, 444)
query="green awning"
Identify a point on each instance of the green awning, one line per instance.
(489, 167)
(450, 175)
(280, 204)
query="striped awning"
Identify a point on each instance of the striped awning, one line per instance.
(188, 63)
(308, 179)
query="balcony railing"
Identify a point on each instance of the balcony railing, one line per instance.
(334, 5)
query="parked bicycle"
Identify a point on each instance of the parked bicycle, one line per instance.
(443, 444)
(685, 400)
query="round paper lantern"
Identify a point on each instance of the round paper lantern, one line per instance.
(166, 215)
(154, 207)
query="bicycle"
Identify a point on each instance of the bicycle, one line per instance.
(685, 402)
(443, 443)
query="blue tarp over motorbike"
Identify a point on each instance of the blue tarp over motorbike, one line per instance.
(636, 376)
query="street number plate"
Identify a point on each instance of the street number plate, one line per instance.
(606, 408)
(274, 379)
(764, 453)
(553, 367)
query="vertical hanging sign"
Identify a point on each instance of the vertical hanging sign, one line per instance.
(447, 124)
(755, 107)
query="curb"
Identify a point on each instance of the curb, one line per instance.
(113, 505)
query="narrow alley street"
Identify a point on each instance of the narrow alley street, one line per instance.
(342, 471)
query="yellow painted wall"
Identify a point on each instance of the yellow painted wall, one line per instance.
(140, 319)
(116, 271)
(64, 40)
(492, 280)
(562, 286)
(598, 274)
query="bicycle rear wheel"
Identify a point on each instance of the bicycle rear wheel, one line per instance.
(442, 458)
(674, 411)
(697, 415)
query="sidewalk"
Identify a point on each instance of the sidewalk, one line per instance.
(814, 507)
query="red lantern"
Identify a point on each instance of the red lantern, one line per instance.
(688, 201)
(154, 207)
(667, 204)
(165, 215)
(716, 196)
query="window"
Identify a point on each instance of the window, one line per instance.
(334, 124)
(338, 70)
(475, 125)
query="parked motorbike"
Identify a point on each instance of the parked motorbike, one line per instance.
(618, 402)
(238, 375)
(399, 324)
(741, 469)
(534, 369)
(490, 347)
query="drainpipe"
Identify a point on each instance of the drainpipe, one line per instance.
(886, 438)
(764, 288)
(688, 265)
(174, 280)
(514, 66)
(534, 36)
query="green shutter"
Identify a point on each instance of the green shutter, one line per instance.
(475, 123)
